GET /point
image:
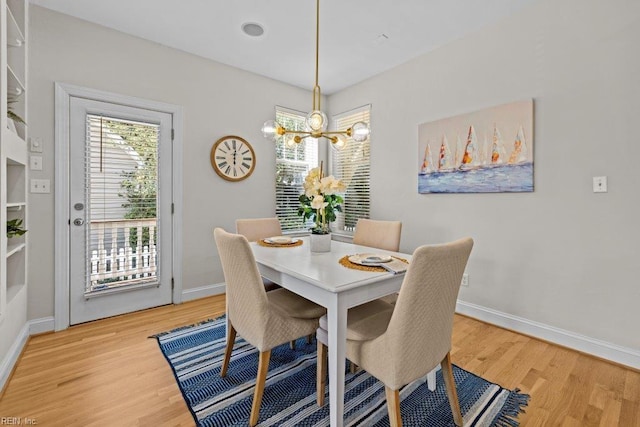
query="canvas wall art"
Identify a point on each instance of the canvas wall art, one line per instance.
(487, 151)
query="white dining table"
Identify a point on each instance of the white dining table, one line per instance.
(320, 278)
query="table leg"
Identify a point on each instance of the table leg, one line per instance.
(431, 380)
(337, 332)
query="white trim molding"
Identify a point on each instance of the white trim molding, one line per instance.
(605, 350)
(63, 93)
(42, 325)
(32, 327)
(12, 356)
(203, 291)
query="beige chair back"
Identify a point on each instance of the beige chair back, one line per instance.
(378, 234)
(247, 304)
(419, 333)
(258, 228)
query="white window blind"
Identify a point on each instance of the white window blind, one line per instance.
(292, 166)
(121, 171)
(352, 166)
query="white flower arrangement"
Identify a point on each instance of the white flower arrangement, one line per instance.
(321, 200)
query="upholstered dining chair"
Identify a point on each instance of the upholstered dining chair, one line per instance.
(401, 345)
(382, 235)
(255, 229)
(264, 319)
(378, 234)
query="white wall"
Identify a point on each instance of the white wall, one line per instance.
(562, 255)
(218, 100)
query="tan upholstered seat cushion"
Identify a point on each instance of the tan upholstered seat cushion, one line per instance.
(292, 305)
(366, 321)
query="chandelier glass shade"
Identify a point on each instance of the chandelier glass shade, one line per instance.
(316, 122)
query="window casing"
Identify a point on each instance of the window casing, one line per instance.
(352, 166)
(292, 166)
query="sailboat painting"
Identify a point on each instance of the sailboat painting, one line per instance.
(496, 157)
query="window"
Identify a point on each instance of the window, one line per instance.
(352, 166)
(292, 166)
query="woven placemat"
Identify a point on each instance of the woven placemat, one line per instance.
(261, 242)
(344, 261)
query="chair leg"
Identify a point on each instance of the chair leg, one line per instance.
(393, 407)
(231, 338)
(447, 373)
(292, 344)
(321, 373)
(263, 367)
(309, 338)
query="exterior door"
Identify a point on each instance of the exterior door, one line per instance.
(120, 228)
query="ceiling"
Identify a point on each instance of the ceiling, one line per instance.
(358, 38)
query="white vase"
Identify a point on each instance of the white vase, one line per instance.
(320, 242)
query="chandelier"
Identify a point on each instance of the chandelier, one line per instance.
(316, 122)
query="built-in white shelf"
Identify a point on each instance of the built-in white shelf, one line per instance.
(14, 290)
(14, 157)
(16, 206)
(15, 34)
(14, 248)
(15, 87)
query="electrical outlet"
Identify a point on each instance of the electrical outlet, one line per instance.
(35, 163)
(40, 186)
(465, 280)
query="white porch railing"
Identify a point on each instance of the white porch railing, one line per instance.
(117, 257)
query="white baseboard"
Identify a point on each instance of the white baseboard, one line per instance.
(42, 325)
(32, 327)
(13, 354)
(615, 353)
(203, 291)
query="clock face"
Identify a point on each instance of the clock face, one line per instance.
(233, 158)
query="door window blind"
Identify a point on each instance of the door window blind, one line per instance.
(121, 171)
(292, 166)
(352, 166)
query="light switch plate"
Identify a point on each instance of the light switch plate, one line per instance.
(599, 184)
(35, 145)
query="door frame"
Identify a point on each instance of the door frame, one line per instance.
(63, 93)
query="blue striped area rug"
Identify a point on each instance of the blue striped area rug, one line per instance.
(195, 354)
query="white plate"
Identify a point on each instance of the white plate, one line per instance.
(280, 240)
(369, 259)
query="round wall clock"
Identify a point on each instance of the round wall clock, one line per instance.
(233, 158)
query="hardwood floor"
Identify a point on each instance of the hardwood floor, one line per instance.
(109, 373)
